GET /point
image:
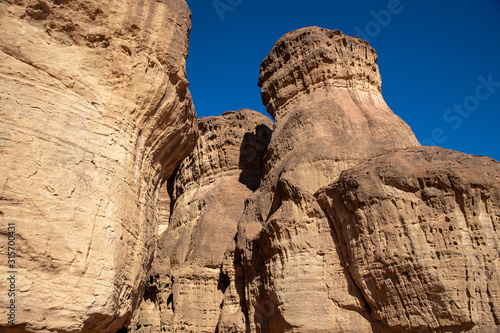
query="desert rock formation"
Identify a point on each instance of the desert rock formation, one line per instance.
(323, 90)
(131, 215)
(420, 232)
(95, 113)
(353, 228)
(207, 195)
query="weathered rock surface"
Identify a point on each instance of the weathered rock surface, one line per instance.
(420, 232)
(207, 195)
(95, 112)
(338, 222)
(323, 90)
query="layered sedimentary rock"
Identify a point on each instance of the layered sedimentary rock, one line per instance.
(207, 194)
(95, 112)
(420, 232)
(338, 222)
(323, 90)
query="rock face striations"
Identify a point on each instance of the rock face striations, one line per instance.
(323, 90)
(129, 217)
(207, 196)
(419, 230)
(95, 112)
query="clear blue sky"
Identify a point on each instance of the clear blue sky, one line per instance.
(439, 60)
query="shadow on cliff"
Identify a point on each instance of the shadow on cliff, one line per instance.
(252, 151)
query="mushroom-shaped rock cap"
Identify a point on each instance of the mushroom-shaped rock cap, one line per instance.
(313, 56)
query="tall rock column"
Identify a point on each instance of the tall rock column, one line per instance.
(95, 112)
(323, 90)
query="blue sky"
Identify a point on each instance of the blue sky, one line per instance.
(439, 60)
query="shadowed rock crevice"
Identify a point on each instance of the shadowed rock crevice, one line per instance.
(223, 282)
(252, 152)
(206, 199)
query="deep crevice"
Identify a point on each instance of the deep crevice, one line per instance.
(253, 148)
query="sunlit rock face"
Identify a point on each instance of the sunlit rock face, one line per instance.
(131, 215)
(95, 112)
(323, 90)
(420, 231)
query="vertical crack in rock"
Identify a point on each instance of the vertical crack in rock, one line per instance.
(207, 195)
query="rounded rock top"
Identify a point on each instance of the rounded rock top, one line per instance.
(313, 56)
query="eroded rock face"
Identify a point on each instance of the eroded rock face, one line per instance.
(311, 58)
(95, 112)
(420, 231)
(323, 90)
(95, 115)
(208, 193)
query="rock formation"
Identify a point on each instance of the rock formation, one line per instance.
(129, 217)
(323, 90)
(420, 233)
(353, 228)
(207, 196)
(95, 113)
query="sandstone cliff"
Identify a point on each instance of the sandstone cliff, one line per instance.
(207, 195)
(352, 226)
(420, 233)
(323, 90)
(95, 113)
(131, 216)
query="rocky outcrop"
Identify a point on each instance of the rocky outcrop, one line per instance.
(420, 232)
(129, 217)
(95, 113)
(207, 194)
(323, 90)
(353, 227)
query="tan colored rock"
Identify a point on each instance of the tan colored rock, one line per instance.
(323, 90)
(420, 231)
(163, 210)
(208, 193)
(294, 272)
(95, 113)
(234, 311)
(212, 183)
